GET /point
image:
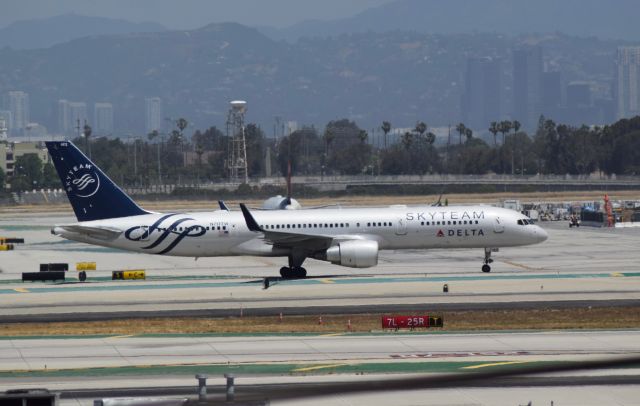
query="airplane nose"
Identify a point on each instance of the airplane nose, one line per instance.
(540, 234)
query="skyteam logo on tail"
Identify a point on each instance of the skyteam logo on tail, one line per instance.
(82, 180)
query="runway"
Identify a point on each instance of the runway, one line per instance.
(79, 365)
(575, 267)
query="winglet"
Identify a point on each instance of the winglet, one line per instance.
(223, 205)
(252, 225)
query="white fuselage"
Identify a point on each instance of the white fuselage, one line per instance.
(224, 233)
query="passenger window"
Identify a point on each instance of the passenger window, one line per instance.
(421, 223)
(224, 227)
(368, 224)
(357, 224)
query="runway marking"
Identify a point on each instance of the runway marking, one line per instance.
(122, 336)
(528, 268)
(616, 274)
(306, 369)
(332, 335)
(495, 364)
(21, 290)
(327, 281)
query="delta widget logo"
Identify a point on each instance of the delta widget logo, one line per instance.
(82, 180)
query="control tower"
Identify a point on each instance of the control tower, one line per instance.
(237, 161)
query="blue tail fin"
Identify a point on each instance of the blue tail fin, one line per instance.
(91, 193)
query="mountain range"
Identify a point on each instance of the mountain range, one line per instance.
(43, 33)
(401, 76)
(611, 19)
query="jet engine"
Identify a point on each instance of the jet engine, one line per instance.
(354, 254)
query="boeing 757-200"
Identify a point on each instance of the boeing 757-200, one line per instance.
(350, 237)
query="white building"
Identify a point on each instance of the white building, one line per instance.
(3, 129)
(627, 87)
(19, 107)
(103, 119)
(6, 116)
(153, 107)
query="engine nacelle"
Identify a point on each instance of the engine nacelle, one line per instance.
(354, 254)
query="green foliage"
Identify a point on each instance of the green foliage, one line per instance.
(27, 173)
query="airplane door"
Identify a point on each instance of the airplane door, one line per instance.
(498, 227)
(401, 226)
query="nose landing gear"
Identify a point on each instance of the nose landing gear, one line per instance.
(487, 260)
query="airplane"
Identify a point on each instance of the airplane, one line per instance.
(350, 237)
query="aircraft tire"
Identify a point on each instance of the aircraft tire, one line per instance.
(82, 276)
(486, 268)
(301, 273)
(285, 272)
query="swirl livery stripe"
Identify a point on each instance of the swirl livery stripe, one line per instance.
(148, 231)
(197, 232)
(167, 231)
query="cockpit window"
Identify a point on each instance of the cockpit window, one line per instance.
(524, 222)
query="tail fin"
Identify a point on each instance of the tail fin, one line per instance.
(92, 194)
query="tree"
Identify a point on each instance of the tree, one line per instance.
(386, 128)
(421, 127)
(27, 173)
(407, 139)
(493, 129)
(468, 133)
(50, 177)
(461, 129)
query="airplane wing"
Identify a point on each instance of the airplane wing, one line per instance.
(102, 233)
(223, 205)
(310, 242)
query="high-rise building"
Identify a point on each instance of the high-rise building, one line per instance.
(551, 94)
(8, 119)
(481, 100)
(19, 106)
(64, 117)
(3, 129)
(103, 119)
(579, 94)
(627, 88)
(527, 85)
(153, 107)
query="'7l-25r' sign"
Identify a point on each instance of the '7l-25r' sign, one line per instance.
(397, 322)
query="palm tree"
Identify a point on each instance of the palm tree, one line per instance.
(421, 127)
(515, 124)
(468, 133)
(363, 135)
(504, 127)
(407, 139)
(460, 128)
(386, 127)
(431, 138)
(493, 129)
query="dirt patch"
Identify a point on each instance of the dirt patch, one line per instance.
(578, 318)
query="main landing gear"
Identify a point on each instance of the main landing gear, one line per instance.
(487, 260)
(296, 272)
(295, 269)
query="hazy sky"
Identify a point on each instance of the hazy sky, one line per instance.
(189, 13)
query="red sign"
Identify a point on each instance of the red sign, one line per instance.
(397, 322)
